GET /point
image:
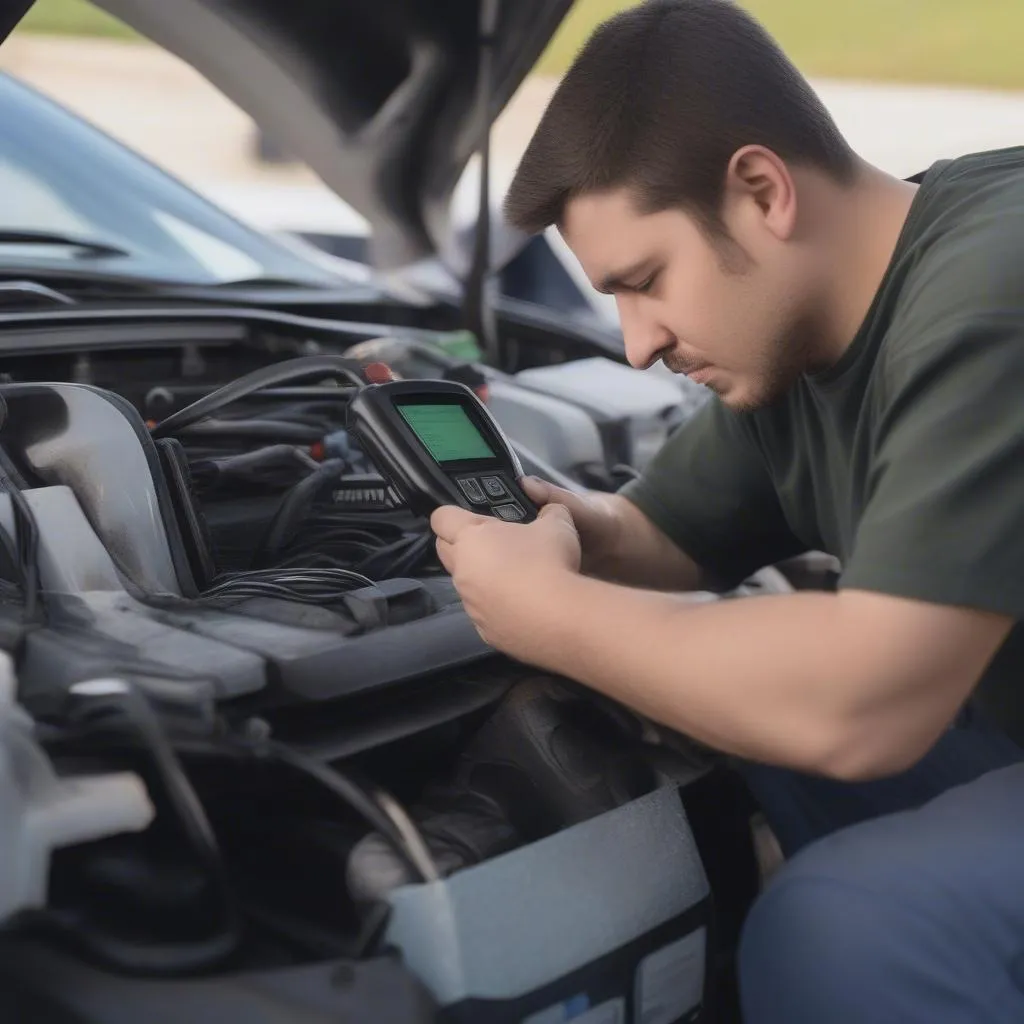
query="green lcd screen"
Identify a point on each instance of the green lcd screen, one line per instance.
(446, 431)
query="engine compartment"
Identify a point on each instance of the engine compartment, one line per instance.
(256, 545)
(242, 463)
(313, 716)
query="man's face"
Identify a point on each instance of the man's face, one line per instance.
(724, 312)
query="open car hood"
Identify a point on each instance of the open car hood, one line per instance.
(378, 97)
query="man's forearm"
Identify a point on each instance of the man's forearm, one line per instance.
(788, 680)
(641, 555)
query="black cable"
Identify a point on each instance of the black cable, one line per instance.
(369, 528)
(27, 547)
(369, 543)
(268, 465)
(118, 703)
(131, 956)
(293, 506)
(259, 458)
(376, 547)
(325, 417)
(379, 810)
(419, 551)
(399, 560)
(303, 368)
(112, 704)
(26, 539)
(350, 545)
(375, 806)
(10, 546)
(276, 592)
(260, 429)
(302, 584)
(11, 590)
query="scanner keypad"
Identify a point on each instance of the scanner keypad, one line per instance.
(494, 491)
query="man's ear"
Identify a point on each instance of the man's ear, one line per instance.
(759, 187)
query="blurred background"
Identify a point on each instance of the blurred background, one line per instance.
(909, 81)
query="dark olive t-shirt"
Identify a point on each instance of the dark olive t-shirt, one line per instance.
(906, 459)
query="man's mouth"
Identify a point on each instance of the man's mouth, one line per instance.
(698, 372)
(701, 375)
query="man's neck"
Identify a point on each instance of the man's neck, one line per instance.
(865, 222)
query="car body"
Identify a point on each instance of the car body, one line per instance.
(167, 234)
(229, 659)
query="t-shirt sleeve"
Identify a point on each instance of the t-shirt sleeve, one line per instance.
(709, 491)
(943, 517)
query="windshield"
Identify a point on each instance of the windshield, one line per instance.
(60, 177)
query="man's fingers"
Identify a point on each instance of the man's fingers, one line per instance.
(537, 490)
(446, 555)
(450, 520)
(541, 493)
(560, 512)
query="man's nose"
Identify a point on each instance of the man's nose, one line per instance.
(644, 338)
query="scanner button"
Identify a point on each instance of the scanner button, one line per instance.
(472, 490)
(511, 513)
(494, 487)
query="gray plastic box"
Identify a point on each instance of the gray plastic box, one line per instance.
(603, 923)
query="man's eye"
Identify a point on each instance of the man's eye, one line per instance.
(646, 285)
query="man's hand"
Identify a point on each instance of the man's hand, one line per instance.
(619, 543)
(597, 518)
(500, 568)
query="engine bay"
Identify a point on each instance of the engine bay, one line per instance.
(207, 586)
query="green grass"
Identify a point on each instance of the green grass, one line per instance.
(954, 42)
(74, 18)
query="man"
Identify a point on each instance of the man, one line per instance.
(865, 339)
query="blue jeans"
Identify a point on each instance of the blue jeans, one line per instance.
(903, 899)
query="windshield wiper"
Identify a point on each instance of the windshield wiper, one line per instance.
(267, 282)
(89, 246)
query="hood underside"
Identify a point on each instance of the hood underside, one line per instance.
(378, 97)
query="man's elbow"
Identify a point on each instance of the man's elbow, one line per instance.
(919, 664)
(867, 754)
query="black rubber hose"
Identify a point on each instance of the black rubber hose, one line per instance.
(303, 368)
(260, 430)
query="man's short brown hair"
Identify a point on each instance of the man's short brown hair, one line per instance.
(659, 100)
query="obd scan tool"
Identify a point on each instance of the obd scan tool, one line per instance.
(438, 445)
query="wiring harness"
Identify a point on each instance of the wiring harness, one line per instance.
(304, 586)
(335, 522)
